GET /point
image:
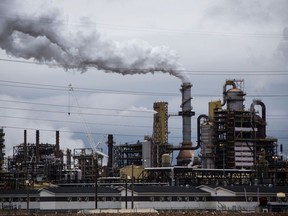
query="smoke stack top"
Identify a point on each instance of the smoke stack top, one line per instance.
(46, 38)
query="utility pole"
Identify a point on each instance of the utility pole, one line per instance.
(132, 200)
(126, 193)
(28, 198)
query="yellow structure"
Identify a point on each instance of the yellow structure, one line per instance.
(160, 125)
(132, 171)
(212, 106)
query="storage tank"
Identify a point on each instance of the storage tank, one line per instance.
(234, 96)
(207, 147)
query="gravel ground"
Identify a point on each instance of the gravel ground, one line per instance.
(191, 213)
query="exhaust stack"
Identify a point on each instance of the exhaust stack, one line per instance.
(185, 154)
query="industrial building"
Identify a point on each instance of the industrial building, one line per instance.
(234, 146)
(234, 151)
(165, 198)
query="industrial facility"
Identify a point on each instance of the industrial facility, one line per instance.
(232, 141)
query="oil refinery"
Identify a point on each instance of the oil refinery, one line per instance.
(236, 159)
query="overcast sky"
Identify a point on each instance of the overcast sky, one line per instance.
(122, 56)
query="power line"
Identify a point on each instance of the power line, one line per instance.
(76, 132)
(270, 117)
(57, 111)
(93, 133)
(77, 122)
(71, 106)
(81, 89)
(107, 124)
(67, 131)
(112, 91)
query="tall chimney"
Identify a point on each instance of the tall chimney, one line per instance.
(110, 150)
(25, 146)
(57, 146)
(185, 155)
(37, 146)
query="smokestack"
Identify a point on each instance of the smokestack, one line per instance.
(110, 151)
(37, 146)
(25, 146)
(281, 152)
(57, 147)
(185, 154)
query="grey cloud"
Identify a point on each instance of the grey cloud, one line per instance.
(260, 12)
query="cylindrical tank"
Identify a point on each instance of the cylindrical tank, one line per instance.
(207, 147)
(235, 98)
(166, 160)
(79, 175)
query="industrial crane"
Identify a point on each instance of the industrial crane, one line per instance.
(86, 129)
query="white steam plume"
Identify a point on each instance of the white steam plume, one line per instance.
(45, 38)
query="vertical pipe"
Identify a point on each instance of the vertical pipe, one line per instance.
(110, 150)
(132, 191)
(259, 102)
(228, 82)
(25, 146)
(37, 146)
(281, 152)
(126, 192)
(28, 197)
(57, 147)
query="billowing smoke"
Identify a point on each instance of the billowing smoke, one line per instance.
(46, 38)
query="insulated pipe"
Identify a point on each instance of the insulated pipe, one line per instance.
(198, 136)
(259, 102)
(252, 109)
(228, 82)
